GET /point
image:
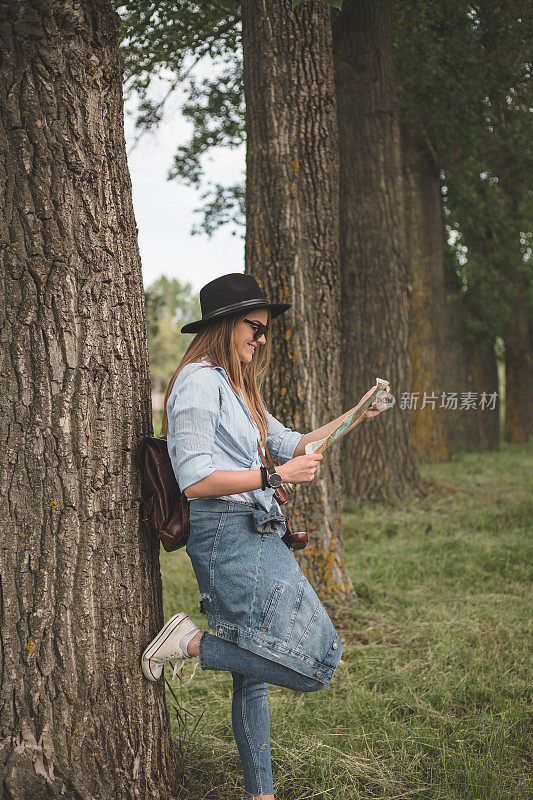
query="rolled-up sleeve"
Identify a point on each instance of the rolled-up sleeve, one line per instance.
(192, 412)
(281, 441)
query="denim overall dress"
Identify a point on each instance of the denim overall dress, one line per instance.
(252, 589)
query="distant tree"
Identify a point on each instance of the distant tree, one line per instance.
(378, 461)
(465, 78)
(170, 304)
(428, 310)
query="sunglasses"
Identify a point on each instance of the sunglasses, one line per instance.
(259, 329)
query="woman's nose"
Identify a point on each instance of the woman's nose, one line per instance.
(262, 339)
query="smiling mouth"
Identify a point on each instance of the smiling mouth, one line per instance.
(252, 348)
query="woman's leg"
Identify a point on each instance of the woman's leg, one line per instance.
(251, 728)
(249, 713)
(216, 653)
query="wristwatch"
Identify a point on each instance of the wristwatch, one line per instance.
(274, 479)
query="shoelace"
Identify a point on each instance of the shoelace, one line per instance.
(178, 669)
(177, 658)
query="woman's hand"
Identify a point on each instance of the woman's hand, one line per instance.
(374, 409)
(300, 469)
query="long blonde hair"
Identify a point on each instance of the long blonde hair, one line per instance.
(216, 343)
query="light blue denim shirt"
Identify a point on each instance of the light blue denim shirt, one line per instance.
(210, 428)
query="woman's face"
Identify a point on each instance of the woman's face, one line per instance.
(243, 335)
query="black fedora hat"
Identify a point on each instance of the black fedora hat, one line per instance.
(229, 295)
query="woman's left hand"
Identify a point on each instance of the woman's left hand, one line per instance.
(373, 410)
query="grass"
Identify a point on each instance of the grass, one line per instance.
(432, 699)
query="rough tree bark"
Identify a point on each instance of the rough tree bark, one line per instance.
(486, 419)
(470, 368)
(80, 584)
(378, 459)
(474, 365)
(427, 315)
(529, 375)
(443, 359)
(517, 356)
(292, 246)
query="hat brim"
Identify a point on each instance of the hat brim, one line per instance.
(276, 309)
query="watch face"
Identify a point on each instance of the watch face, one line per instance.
(275, 480)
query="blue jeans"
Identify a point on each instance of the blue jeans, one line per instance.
(249, 711)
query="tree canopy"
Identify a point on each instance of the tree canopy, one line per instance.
(464, 83)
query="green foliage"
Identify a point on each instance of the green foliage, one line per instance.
(157, 35)
(159, 40)
(215, 107)
(223, 204)
(464, 83)
(169, 305)
(432, 697)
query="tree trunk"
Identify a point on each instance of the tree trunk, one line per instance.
(378, 459)
(470, 371)
(529, 376)
(517, 355)
(80, 586)
(427, 318)
(478, 429)
(292, 246)
(486, 382)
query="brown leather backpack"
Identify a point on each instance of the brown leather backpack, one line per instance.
(164, 508)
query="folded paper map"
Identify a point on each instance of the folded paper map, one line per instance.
(344, 427)
(348, 423)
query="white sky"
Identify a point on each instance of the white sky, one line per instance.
(164, 209)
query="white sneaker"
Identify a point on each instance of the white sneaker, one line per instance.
(165, 646)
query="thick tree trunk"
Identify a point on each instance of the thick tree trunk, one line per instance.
(427, 318)
(378, 459)
(80, 586)
(292, 246)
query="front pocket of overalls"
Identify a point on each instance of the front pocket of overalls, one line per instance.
(270, 606)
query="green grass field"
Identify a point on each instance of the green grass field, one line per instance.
(432, 698)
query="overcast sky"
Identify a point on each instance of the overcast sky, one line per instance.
(164, 209)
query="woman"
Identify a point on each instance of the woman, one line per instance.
(270, 625)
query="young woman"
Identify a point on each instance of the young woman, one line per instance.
(270, 626)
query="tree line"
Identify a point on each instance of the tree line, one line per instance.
(363, 158)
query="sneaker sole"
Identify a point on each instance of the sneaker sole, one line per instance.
(154, 645)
